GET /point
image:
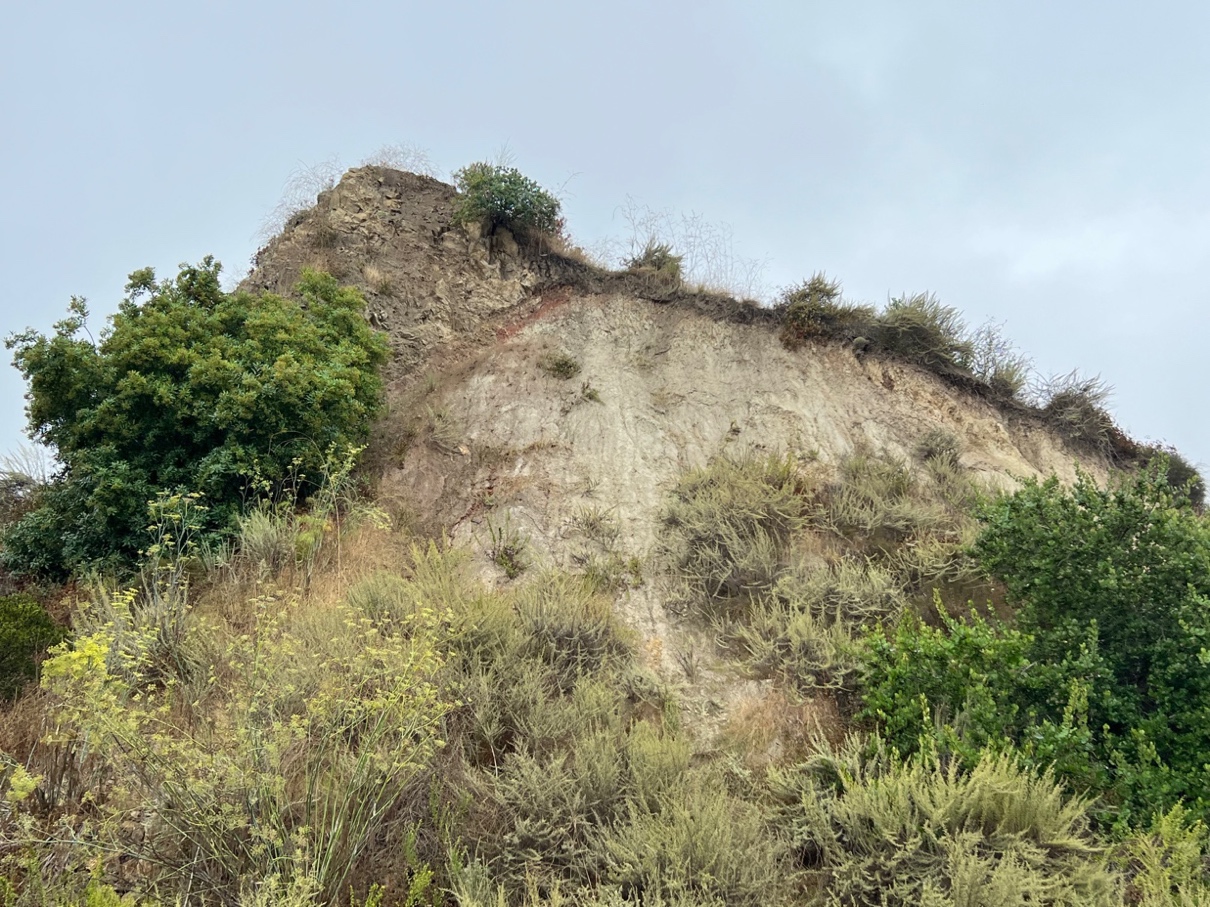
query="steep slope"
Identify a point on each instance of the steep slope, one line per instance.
(487, 443)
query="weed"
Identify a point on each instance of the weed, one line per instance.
(559, 365)
(996, 363)
(730, 524)
(815, 311)
(923, 331)
(657, 259)
(938, 445)
(507, 548)
(1075, 408)
(589, 393)
(597, 524)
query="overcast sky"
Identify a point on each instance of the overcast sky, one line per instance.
(1043, 164)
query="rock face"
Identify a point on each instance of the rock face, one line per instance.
(485, 439)
(389, 233)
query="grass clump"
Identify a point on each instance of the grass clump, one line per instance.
(559, 365)
(872, 828)
(657, 262)
(998, 364)
(815, 311)
(1075, 408)
(730, 525)
(804, 631)
(508, 548)
(919, 329)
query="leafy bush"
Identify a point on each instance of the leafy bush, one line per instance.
(1122, 574)
(877, 829)
(26, 632)
(190, 388)
(1104, 679)
(1182, 475)
(957, 684)
(504, 197)
(815, 311)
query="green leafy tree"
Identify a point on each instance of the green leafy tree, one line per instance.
(505, 197)
(188, 388)
(1106, 675)
(26, 632)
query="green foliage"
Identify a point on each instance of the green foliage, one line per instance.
(1075, 408)
(559, 365)
(923, 331)
(877, 829)
(1106, 676)
(953, 687)
(1130, 567)
(815, 311)
(656, 259)
(188, 388)
(730, 525)
(505, 197)
(26, 632)
(1182, 475)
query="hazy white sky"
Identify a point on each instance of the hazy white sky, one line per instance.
(1043, 164)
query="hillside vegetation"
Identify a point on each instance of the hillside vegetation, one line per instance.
(510, 604)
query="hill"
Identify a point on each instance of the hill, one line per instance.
(640, 594)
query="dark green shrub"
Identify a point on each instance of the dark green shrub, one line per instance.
(959, 683)
(1118, 581)
(26, 632)
(505, 197)
(189, 388)
(815, 311)
(923, 331)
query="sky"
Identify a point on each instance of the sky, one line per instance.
(1042, 165)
